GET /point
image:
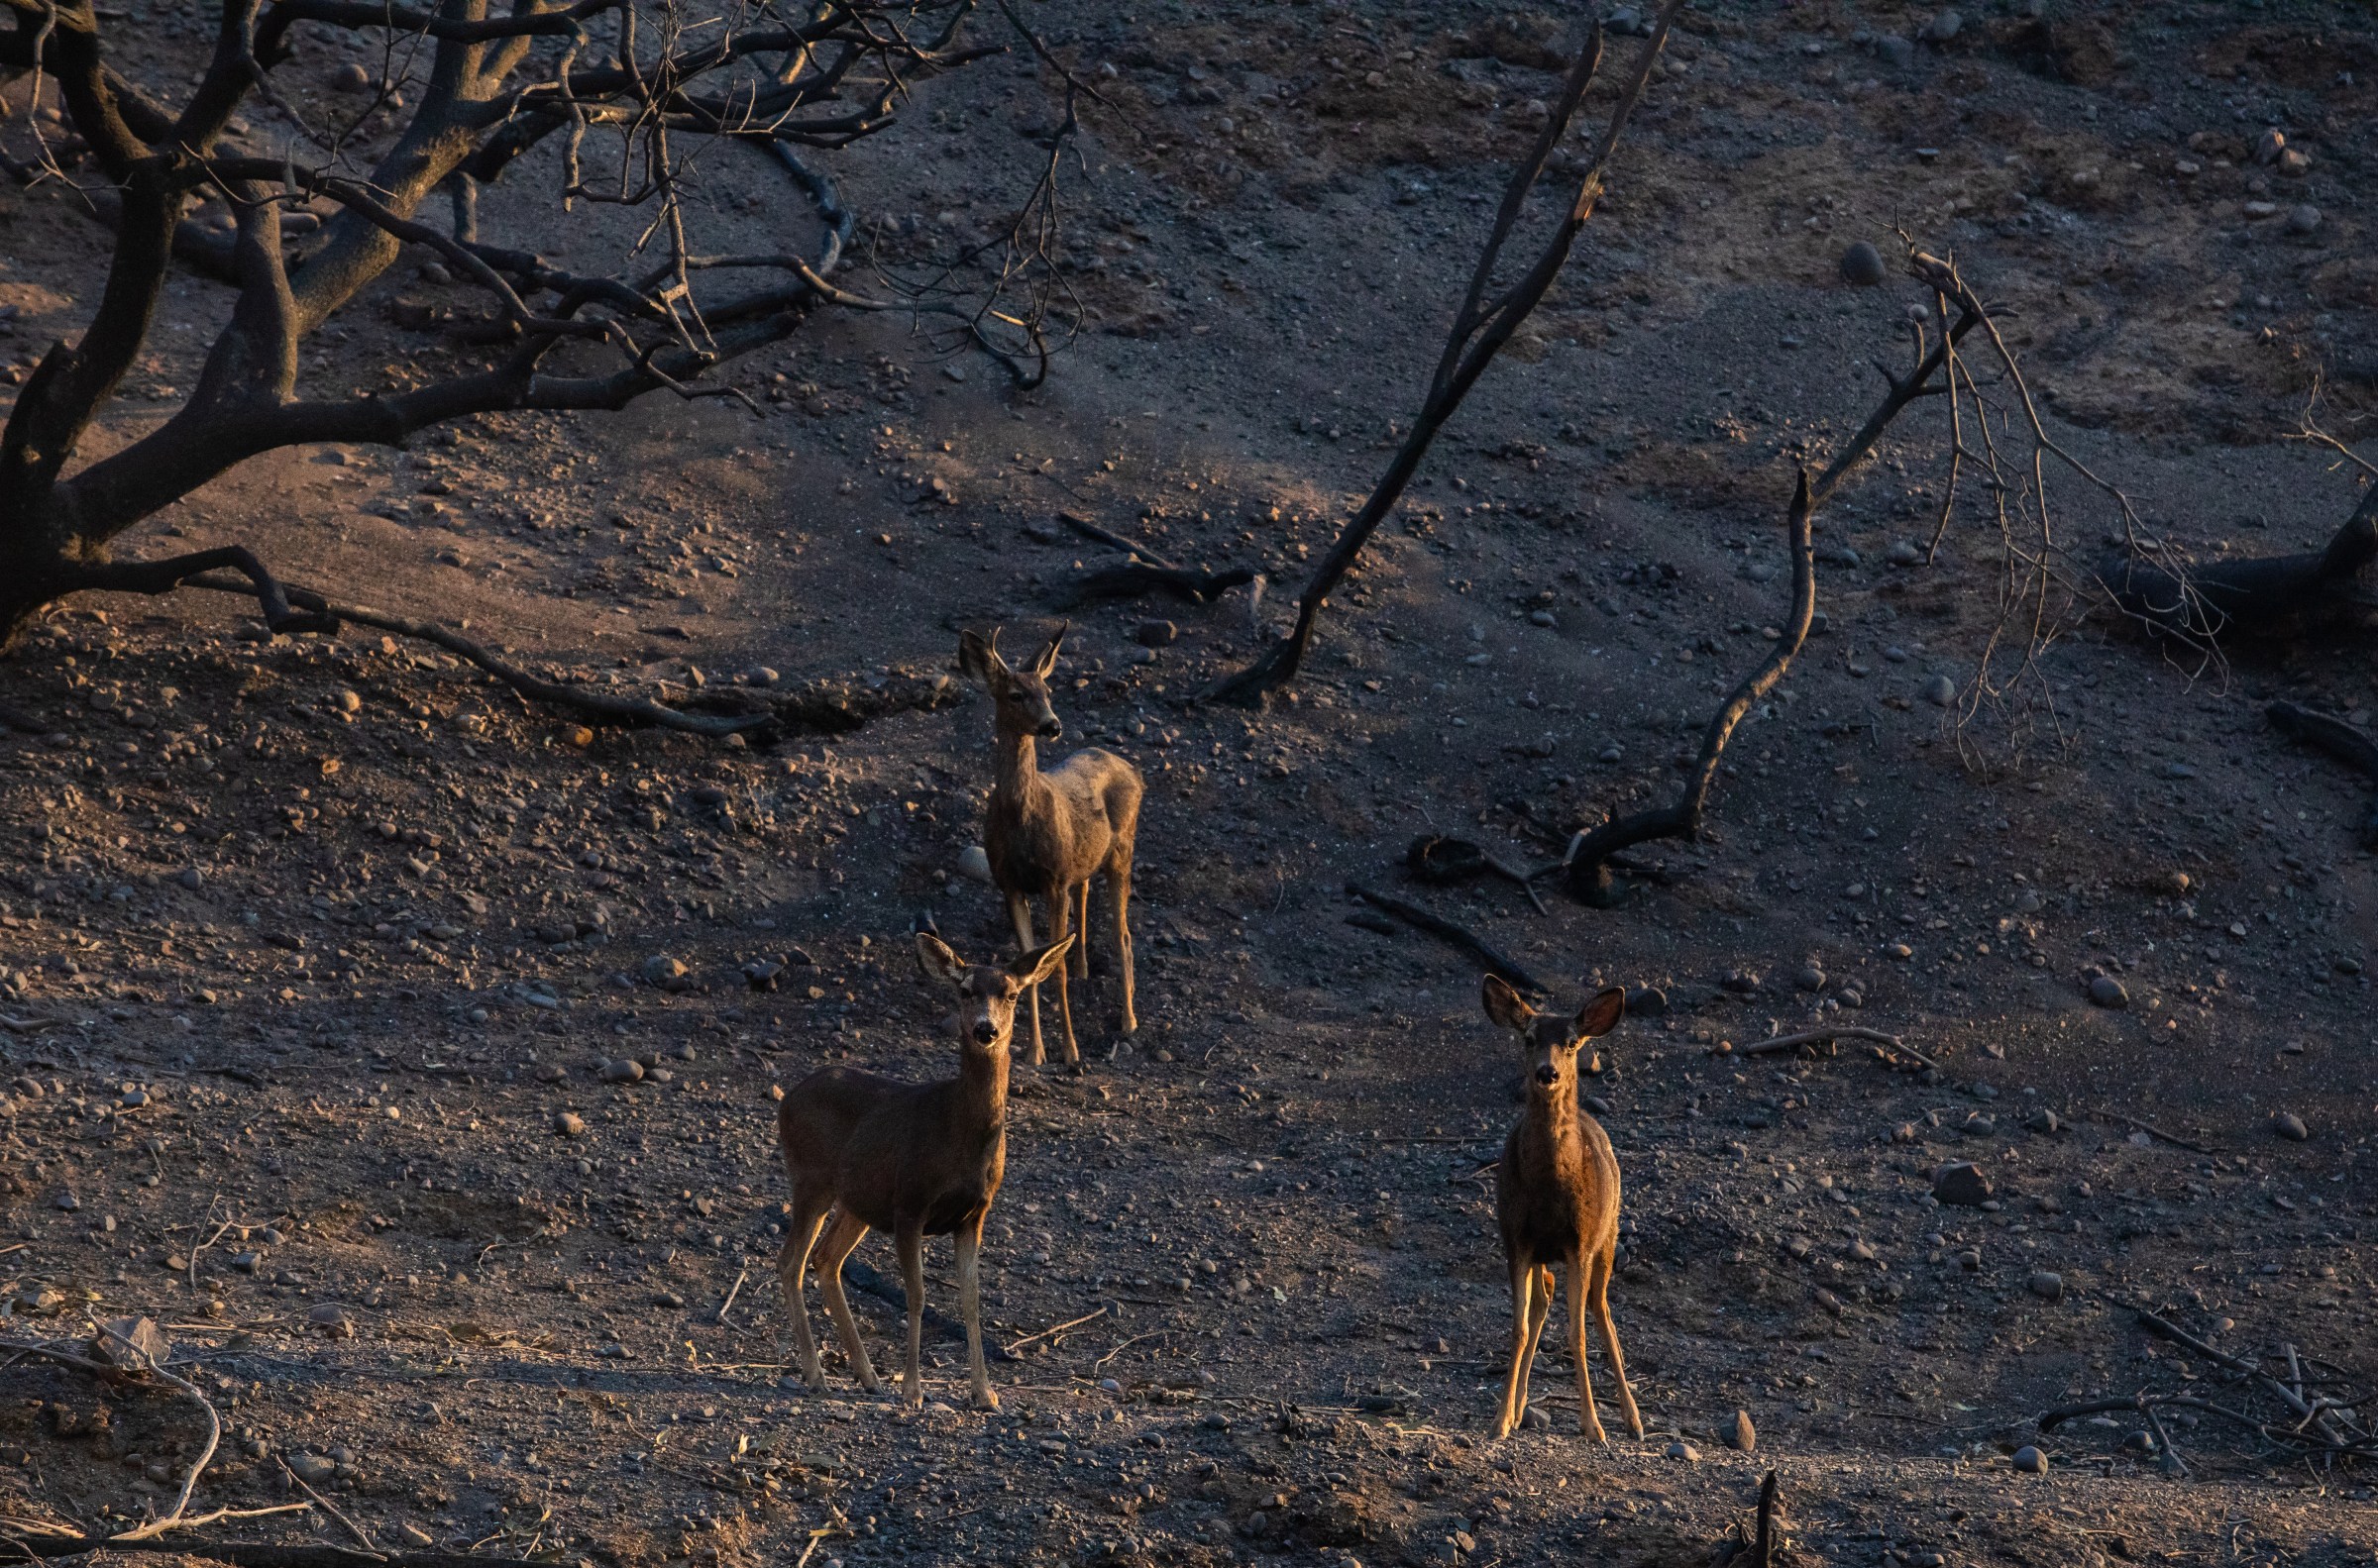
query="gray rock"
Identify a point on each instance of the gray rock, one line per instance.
(569, 1123)
(623, 1070)
(66, 1201)
(1680, 1449)
(2030, 1461)
(1940, 691)
(1742, 982)
(1746, 1436)
(2269, 145)
(1862, 266)
(1962, 1184)
(1535, 1421)
(975, 864)
(1544, 618)
(1903, 553)
(2304, 218)
(1943, 27)
(1979, 1125)
(1895, 50)
(666, 973)
(1810, 979)
(191, 877)
(352, 77)
(1157, 634)
(311, 1468)
(2047, 1285)
(1646, 1001)
(2106, 992)
(2287, 1124)
(2045, 1120)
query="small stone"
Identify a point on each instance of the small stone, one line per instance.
(2295, 163)
(332, 1320)
(1612, 754)
(1746, 1436)
(311, 1468)
(66, 1201)
(1903, 553)
(569, 1123)
(2106, 992)
(2045, 1120)
(1157, 634)
(2047, 1285)
(1940, 691)
(2304, 218)
(1943, 27)
(2269, 145)
(1830, 1302)
(2287, 1124)
(415, 1535)
(1742, 982)
(2178, 771)
(1811, 977)
(1646, 1001)
(623, 1070)
(1896, 49)
(1535, 1421)
(1862, 264)
(1980, 1125)
(352, 77)
(1680, 1449)
(975, 864)
(668, 974)
(1962, 1184)
(1544, 618)
(669, 1298)
(761, 675)
(190, 877)
(2030, 1461)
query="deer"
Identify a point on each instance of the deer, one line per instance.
(1555, 1201)
(1046, 834)
(917, 1160)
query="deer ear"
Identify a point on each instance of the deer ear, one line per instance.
(1049, 656)
(938, 960)
(976, 658)
(1041, 961)
(1505, 1005)
(1601, 1014)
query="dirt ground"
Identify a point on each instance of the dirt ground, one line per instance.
(309, 946)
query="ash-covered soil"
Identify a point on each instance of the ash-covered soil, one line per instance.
(316, 952)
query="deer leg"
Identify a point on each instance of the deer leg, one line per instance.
(1080, 955)
(791, 1263)
(1020, 910)
(1600, 1295)
(1541, 1309)
(910, 1238)
(1581, 1288)
(846, 1235)
(1119, 883)
(1060, 915)
(970, 1305)
(1515, 1394)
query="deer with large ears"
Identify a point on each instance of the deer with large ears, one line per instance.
(916, 1159)
(1048, 833)
(1555, 1196)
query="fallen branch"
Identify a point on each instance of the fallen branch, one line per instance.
(2339, 740)
(2204, 603)
(257, 1554)
(825, 707)
(1588, 859)
(370, 1547)
(1440, 860)
(1146, 572)
(2152, 1131)
(147, 1356)
(1028, 1340)
(1412, 915)
(1795, 1042)
(1479, 329)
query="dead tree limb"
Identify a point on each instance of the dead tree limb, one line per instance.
(1810, 1037)
(2339, 740)
(2205, 603)
(1480, 330)
(1146, 572)
(2152, 1131)
(1590, 876)
(1412, 915)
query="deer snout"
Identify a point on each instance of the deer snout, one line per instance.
(984, 1031)
(1546, 1074)
(1049, 729)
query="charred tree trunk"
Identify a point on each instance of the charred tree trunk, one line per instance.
(2209, 603)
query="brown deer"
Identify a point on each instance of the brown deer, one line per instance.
(1555, 1196)
(917, 1160)
(1048, 834)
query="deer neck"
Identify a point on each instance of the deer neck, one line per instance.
(1018, 774)
(1551, 1116)
(983, 1085)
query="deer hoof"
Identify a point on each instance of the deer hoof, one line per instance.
(985, 1399)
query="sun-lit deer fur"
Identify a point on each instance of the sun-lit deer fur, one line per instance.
(1556, 1195)
(1048, 833)
(917, 1160)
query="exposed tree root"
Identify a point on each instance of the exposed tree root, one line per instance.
(2339, 740)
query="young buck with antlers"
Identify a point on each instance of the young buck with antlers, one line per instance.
(1048, 833)
(917, 1160)
(1556, 1195)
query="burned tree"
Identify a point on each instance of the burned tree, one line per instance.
(628, 101)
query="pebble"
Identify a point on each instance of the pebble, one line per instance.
(1613, 754)
(67, 1201)
(1680, 1449)
(2030, 1461)
(2289, 1126)
(1862, 264)
(1903, 553)
(2304, 218)
(1940, 691)
(2047, 1285)
(973, 862)
(623, 1070)
(1943, 27)
(1961, 1183)
(2269, 145)
(1742, 982)
(1810, 979)
(1535, 1421)
(352, 77)
(2045, 1120)
(310, 1468)
(1157, 634)
(2106, 992)
(1544, 618)
(662, 971)
(569, 1123)
(1896, 49)
(332, 1320)
(191, 877)
(1646, 1001)
(669, 1298)
(1746, 1436)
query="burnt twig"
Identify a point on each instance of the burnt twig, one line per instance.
(1412, 915)
(2151, 1131)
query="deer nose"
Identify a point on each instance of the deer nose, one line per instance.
(984, 1031)
(1548, 1075)
(1051, 730)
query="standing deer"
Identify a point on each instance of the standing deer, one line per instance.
(1556, 1198)
(917, 1160)
(1046, 834)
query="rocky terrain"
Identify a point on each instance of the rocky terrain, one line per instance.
(408, 1051)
